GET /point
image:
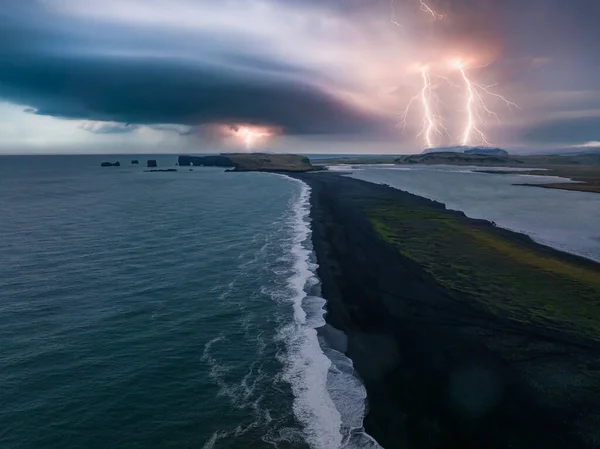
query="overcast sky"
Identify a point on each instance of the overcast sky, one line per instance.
(321, 75)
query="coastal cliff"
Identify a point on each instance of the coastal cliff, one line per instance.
(447, 363)
(252, 162)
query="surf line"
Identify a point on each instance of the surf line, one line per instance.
(313, 376)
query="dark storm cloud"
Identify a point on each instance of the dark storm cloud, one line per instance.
(100, 68)
(148, 91)
(100, 127)
(55, 70)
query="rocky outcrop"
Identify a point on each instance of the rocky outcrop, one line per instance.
(152, 163)
(110, 164)
(206, 161)
(252, 162)
(135, 162)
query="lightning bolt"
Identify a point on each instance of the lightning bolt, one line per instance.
(393, 13)
(250, 136)
(431, 121)
(475, 103)
(426, 8)
(427, 97)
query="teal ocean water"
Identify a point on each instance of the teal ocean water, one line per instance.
(164, 310)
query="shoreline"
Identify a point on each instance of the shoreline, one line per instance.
(568, 186)
(436, 369)
(329, 399)
(570, 183)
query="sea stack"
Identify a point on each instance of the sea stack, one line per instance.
(152, 163)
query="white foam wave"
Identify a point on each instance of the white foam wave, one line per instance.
(244, 394)
(349, 395)
(239, 393)
(329, 400)
(318, 386)
(305, 364)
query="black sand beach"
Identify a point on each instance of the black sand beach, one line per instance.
(457, 365)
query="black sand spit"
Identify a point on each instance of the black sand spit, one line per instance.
(442, 371)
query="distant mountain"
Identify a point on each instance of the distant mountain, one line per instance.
(584, 152)
(458, 149)
(487, 151)
(459, 158)
(588, 162)
(481, 151)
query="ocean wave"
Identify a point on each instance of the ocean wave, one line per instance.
(305, 364)
(329, 400)
(244, 394)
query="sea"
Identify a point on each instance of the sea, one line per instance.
(183, 310)
(164, 310)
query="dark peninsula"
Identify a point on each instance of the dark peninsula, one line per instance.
(252, 162)
(466, 335)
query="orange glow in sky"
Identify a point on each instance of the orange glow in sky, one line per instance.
(251, 135)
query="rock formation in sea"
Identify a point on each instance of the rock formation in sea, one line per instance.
(152, 163)
(110, 164)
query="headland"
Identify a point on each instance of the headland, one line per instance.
(266, 162)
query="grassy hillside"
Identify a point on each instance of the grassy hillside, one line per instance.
(270, 162)
(252, 162)
(508, 277)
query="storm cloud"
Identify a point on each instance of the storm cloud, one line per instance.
(305, 67)
(147, 91)
(83, 74)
